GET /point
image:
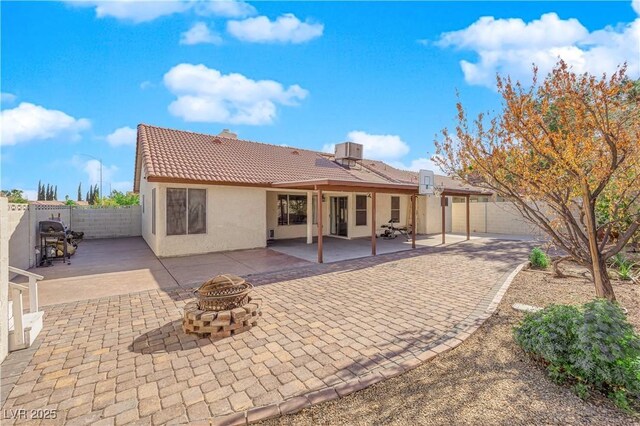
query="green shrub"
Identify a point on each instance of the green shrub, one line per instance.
(619, 261)
(539, 258)
(593, 345)
(625, 271)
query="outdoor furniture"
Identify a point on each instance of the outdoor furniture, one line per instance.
(391, 231)
(53, 242)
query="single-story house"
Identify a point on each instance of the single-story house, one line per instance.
(205, 193)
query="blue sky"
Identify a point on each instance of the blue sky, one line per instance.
(77, 78)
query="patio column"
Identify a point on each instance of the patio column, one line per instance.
(414, 227)
(319, 225)
(309, 217)
(468, 219)
(443, 203)
(373, 224)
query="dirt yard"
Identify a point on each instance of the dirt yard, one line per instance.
(486, 380)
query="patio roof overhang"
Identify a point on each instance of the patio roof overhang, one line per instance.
(348, 185)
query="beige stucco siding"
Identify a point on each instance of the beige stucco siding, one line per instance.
(236, 219)
(146, 200)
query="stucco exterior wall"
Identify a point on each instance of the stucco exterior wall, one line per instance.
(146, 211)
(434, 215)
(4, 277)
(236, 219)
(20, 235)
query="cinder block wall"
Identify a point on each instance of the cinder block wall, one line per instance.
(22, 226)
(492, 218)
(107, 222)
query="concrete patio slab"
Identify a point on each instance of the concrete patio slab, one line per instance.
(109, 267)
(338, 249)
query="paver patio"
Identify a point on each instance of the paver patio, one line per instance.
(124, 359)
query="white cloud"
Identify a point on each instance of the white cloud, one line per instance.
(135, 11)
(286, 28)
(225, 8)
(376, 147)
(417, 164)
(200, 33)
(138, 11)
(635, 4)
(511, 46)
(7, 98)
(206, 95)
(28, 122)
(122, 136)
(122, 186)
(92, 169)
(146, 85)
(30, 194)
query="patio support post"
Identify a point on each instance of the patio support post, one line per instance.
(443, 202)
(414, 227)
(468, 219)
(373, 224)
(309, 217)
(320, 225)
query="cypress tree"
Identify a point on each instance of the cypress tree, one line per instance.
(55, 193)
(79, 192)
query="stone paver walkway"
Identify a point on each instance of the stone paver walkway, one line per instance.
(124, 359)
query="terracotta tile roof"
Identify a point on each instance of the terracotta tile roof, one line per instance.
(181, 155)
(177, 155)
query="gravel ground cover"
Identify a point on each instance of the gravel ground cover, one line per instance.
(487, 380)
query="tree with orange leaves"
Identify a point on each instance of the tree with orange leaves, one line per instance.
(558, 150)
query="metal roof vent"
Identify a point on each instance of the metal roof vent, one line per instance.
(226, 133)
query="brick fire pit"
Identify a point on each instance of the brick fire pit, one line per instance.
(223, 308)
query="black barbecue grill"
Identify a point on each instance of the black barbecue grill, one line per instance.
(53, 235)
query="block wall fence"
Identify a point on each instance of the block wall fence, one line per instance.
(492, 218)
(95, 222)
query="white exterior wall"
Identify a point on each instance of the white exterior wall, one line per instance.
(21, 237)
(4, 277)
(236, 219)
(146, 211)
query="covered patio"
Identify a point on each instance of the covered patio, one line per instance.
(351, 248)
(338, 249)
